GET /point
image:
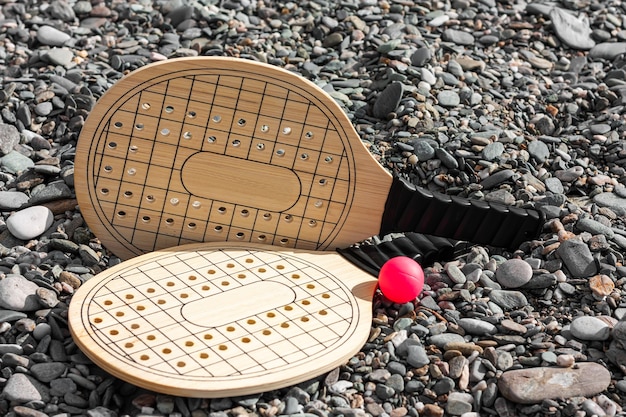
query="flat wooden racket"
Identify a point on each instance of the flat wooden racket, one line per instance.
(223, 319)
(223, 149)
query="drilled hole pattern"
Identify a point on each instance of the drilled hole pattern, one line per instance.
(242, 115)
(136, 312)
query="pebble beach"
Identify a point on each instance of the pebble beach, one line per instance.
(510, 101)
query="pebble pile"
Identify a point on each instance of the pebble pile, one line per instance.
(515, 101)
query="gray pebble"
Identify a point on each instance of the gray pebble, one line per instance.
(388, 100)
(448, 98)
(493, 151)
(508, 300)
(421, 56)
(22, 388)
(46, 372)
(417, 356)
(9, 138)
(17, 293)
(590, 328)
(594, 227)
(538, 150)
(514, 273)
(458, 37)
(14, 162)
(577, 257)
(477, 326)
(424, 151)
(12, 200)
(51, 36)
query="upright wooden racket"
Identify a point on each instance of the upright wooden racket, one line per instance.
(223, 149)
(223, 319)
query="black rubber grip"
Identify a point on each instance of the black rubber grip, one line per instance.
(414, 209)
(424, 249)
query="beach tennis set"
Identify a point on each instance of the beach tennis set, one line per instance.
(235, 192)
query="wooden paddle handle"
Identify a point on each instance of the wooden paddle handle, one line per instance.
(412, 208)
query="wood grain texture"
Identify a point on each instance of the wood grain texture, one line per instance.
(223, 149)
(223, 319)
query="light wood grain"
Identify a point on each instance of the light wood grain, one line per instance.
(223, 149)
(223, 319)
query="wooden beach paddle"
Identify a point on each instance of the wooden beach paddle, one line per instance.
(224, 149)
(223, 319)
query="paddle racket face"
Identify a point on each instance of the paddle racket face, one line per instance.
(218, 149)
(216, 320)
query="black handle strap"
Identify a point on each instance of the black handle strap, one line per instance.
(415, 209)
(425, 250)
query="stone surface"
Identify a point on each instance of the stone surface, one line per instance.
(534, 385)
(30, 222)
(514, 273)
(19, 294)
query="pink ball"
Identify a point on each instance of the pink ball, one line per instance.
(401, 279)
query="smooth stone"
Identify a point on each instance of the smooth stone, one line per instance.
(493, 151)
(497, 178)
(612, 201)
(573, 31)
(22, 388)
(14, 162)
(60, 56)
(388, 100)
(48, 35)
(577, 258)
(508, 300)
(443, 386)
(540, 281)
(455, 274)
(12, 200)
(570, 174)
(534, 385)
(554, 185)
(448, 98)
(10, 315)
(538, 150)
(421, 56)
(590, 328)
(446, 158)
(477, 326)
(62, 386)
(11, 348)
(423, 151)
(19, 294)
(9, 138)
(46, 372)
(459, 403)
(458, 37)
(441, 340)
(54, 191)
(48, 298)
(594, 227)
(427, 76)
(30, 222)
(44, 108)
(417, 356)
(608, 50)
(514, 273)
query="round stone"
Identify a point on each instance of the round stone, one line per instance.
(513, 273)
(31, 222)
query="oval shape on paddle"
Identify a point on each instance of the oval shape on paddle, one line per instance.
(223, 308)
(240, 181)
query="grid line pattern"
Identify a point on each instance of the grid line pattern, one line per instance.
(133, 313)
(142, 175)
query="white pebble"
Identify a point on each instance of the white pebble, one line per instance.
(29, 223)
